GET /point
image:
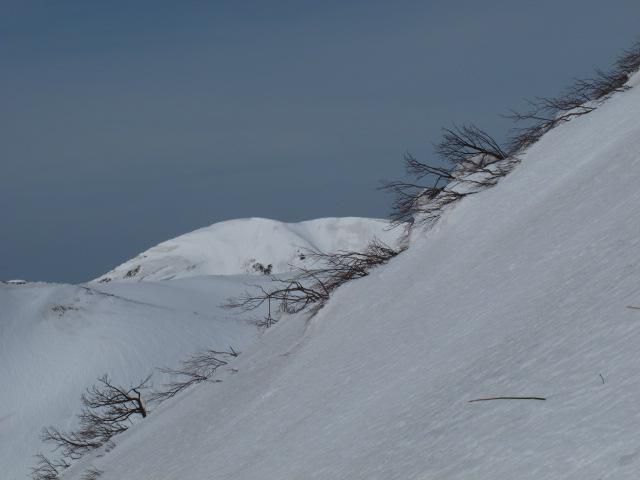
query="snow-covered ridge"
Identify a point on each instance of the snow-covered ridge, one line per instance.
(241, 246)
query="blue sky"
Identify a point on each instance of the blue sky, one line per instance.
(126, 123)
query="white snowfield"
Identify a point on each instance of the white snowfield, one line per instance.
(521, 290)
(56, 340)
(235, 246)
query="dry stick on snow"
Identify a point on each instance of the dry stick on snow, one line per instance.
(505, 398)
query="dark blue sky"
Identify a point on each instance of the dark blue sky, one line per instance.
(125, 123)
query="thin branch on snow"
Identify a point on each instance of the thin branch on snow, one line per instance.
(505, 398)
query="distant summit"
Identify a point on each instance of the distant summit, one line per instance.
(250, 246)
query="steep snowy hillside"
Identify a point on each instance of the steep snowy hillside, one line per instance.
(56, 340)
(521, 290)
(235, 246)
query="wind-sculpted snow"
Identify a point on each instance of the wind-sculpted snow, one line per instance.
(242, 246)
(519, 291)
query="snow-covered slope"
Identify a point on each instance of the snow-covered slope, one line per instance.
(521, 290)
(56, 340)
(235, 246)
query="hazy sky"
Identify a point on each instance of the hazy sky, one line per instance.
(125, 123)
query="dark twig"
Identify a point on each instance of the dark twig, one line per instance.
(505, 398)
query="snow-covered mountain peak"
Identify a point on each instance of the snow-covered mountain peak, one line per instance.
(250, 246)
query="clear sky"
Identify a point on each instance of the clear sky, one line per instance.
(125, 123)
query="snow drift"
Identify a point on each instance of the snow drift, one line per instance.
(521, 290)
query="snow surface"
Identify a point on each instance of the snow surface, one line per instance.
(56, 340)
(234, 246)
(520, 290)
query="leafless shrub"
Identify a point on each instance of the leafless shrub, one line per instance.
(629, 61)
(343, 266)
(469, 147)
(472, 161)
(603, 84)
(415, 201)
(107, 411)
(198, 368)
(72, 445)
(409, 198)
(420, 170)
(579, 99)
(291, 297)
(310, 288)
(47, 469)
(547, 113)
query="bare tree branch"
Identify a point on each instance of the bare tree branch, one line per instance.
(469, 147)
(107, 411)
(476, 162)
(47, 469)
(629, 61)
(579, 99)
(196, 369)
(312, 287)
